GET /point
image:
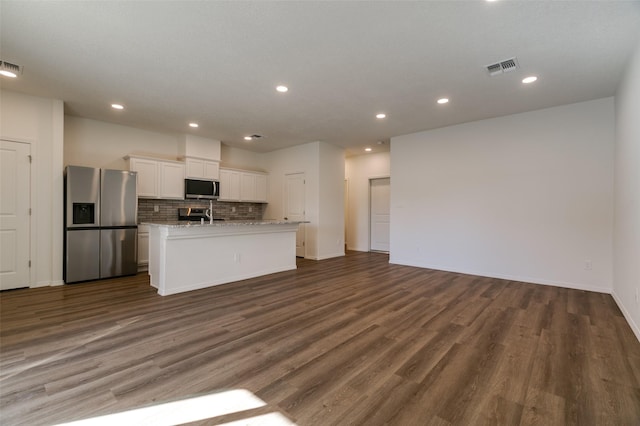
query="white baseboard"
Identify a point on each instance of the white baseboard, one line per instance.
(532, 280)
(627, 315)
(329, 256)
(47, 283)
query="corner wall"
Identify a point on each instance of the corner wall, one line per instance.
(40, 122)
(331, 192)
(324, 207)
(94, 143)
(626, 229)
(526, 197)
(359, 169)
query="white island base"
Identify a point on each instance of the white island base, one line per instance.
(190, 257)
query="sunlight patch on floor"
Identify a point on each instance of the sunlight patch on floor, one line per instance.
(191, 410)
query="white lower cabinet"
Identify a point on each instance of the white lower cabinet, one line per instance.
(242, 185)
(143, 247)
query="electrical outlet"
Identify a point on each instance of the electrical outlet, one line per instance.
(588, 265)
(250, 209)
(156, 208)
(233, 209)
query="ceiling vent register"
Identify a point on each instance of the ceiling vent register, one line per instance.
(8, 66)
(501, 67)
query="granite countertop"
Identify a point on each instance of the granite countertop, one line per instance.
(220, 223)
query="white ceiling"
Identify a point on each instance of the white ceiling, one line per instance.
(217, 63)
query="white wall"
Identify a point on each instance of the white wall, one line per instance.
(39, 122)
(327, 222)
(626, 269)
(331, 205)
(95, 143)
(199, 147)
(359, 170)
(242, 159)
(297, 159)
(527, 197)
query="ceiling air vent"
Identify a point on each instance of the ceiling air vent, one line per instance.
(8, 67)
(503, 66)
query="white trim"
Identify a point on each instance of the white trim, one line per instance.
(528, 280)
(285, 193)
(32, 205)
(47, 284)
(327, 256)
(227, 280)
(627, 315)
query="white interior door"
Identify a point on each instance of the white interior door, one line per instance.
(15, 172)
(380, 214)
(294, 207)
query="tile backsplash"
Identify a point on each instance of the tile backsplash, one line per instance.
(168, 209)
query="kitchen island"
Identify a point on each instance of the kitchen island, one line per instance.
(194, 255)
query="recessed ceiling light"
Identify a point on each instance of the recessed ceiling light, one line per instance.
(529, 79)
(247, 138)
(368, 149)
(194, 125)
(117, 106)
(381, 115)
(282, 89)
(443, 101)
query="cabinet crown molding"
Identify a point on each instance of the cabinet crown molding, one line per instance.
(151, 157)
(236, 169)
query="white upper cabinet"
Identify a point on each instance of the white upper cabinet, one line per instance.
(229, 185)
(198, 168)
(147, 176)
(212, 170)
(171, 180)
(243, 185)
(158, 178)
(247, 186)
(261, 187)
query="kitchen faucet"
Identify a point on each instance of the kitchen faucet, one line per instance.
(209, 212)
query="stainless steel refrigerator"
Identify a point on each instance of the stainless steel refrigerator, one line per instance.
(101, 210)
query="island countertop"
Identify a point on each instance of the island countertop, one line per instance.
(220, 223)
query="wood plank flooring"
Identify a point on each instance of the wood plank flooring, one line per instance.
(345, 341)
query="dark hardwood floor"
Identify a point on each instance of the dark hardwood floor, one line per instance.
(343, 341)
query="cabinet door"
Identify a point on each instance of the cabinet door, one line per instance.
(143, 249)
(248, 187)
(172, 180)
(261, 188)
(195, 168)
(147, 177)
(229, 185)
(211, 170)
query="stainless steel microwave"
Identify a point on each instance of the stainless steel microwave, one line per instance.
(201, 189)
